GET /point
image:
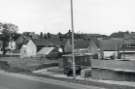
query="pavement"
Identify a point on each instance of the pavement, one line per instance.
(112, 82)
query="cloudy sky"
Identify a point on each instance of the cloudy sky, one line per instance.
(90, 16)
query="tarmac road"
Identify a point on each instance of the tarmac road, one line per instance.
(19, 81)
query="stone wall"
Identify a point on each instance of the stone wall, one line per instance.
(113, 70)
(112, 75)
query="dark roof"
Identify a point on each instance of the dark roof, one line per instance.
(55, 41)
(84, 43)
(96, 41)
(43, 42)
(128, 44)
(80, 43)
(111, 44)
(22, 39)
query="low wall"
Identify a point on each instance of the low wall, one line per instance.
(113, 70)
(105, 74)
(115, 65)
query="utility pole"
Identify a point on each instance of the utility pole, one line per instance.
(72, 27)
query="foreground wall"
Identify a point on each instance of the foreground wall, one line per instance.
(113, 70)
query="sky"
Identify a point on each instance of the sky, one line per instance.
(90, 16)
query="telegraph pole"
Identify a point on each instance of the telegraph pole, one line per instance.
(72, 27)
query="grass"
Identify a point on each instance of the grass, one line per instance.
(17, 64)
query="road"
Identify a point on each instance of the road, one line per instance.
(19, 81)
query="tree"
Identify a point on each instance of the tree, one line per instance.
(8, 33)
(60, 36)
(69, 34)
(48, 35)
(41, 35)
(45, 36)
(120, 34)
(9, 29)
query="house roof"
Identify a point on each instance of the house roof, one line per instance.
(128, 44)
(111, 44)
(43, 42)
(95, 41)
(80, 43)
(55, 41)
(45, 50)
(22, 40)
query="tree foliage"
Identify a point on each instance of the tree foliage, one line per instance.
(9, 32)
(9, 29)
(41, 35)
(119, 34)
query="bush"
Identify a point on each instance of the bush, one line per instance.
(4, 65)
(69, 71)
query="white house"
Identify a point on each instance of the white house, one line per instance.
(12, 45)
(110, 47)
(28, 49)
